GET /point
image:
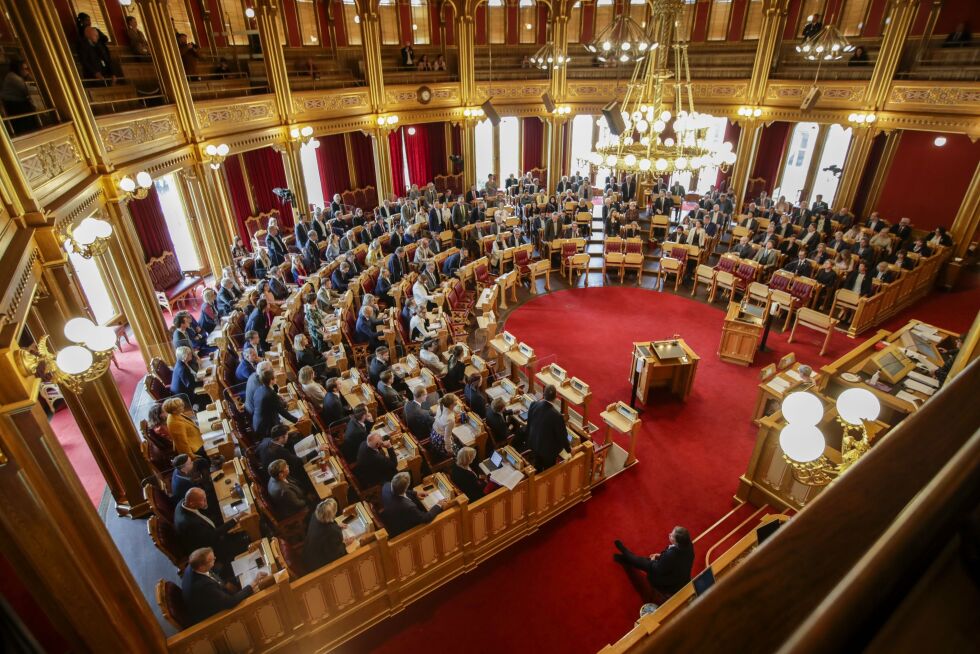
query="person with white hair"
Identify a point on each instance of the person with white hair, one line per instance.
(464, 478)
(325, 541)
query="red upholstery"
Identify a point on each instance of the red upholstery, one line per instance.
(164, 536)
(171, 601)
(360, 199)
(167, 277)
(348, 198)
(522, 260)
(159, 368)
(633, 247)
(680, 254)
(801, 291)
(156, 388)
(163, 505)
(725, 264)
(779, 282)
(567, 250)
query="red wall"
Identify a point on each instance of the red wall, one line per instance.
(955, 11)
(927, 183)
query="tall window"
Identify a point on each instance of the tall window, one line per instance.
(510, 155)
(496, 21)
(420, 22)
(718, 18)
(574, 28)
(810, 7)
(484, 151)
(308, 28)
(603, 14)
(582, 126)
(853, 16)
(685, 22)
(638, 12)
(94, 287)
(833, 156)
(527, 21)
(94, 9)
(798, 157)
(180, 18)
(311, 174)
(233, 22)
(388, 16)
(178, 223)
(753, 21)
(604, 136)
(352, 23)
(714, 137)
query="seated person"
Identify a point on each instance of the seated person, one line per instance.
(392, 399)
(357, 431)
(475, 397)
(285, 494)
(246, 365)
(193, 472)
(267, 407)
(668, 571)
(196, 529)
(365, 330)
(280, 444)
(325, 541)
(333, 409)
(313, 390)
(204, 595)
(377, 461)
(417, 416)
(184, 380)
(464, 478)
(429, 356)
(500, 422)
(378, 363)
(403, 507)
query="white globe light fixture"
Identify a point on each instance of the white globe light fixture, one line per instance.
(802, 408)
(802, 443)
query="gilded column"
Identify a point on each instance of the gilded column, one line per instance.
(294, 174)
(854, 165)
(267, 17)
(218, 184)
(964, 228)
(382, 162)
(745, 152)
(465, 51)
(468, 142)
(770, 40)
(559, 34)
(901, 14)
(125, 259)
(205, 219)
(554, 126)
(371, 44)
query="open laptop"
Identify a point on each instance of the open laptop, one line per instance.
(703, 582)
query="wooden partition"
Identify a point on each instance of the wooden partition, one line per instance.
(896, 296)
(322, 610)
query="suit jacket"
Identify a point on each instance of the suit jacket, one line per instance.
(766, 257)
(205, 596)
(497, 424)
(402, 512)
(672, 569)
(226, 301)
(268, 451)
(324, 544)
(311, 256)
(208, 319)
(301, 233)
(365, 332)
(451, 264)
(267, 409)
(745, 251)
(258, 321)
(466, 480)
(183, 381)
(419, 420)
(476, 399)
(851, 279)
(253, 384)
(277, 249)
(339, 281)
(393, 400)
(546, 433)
(798, 267)
(310, 357)
(398, 268)
(375, 466)
(333, 409)
(194, 532)
(355, 434)
(286, 497)
(183, 338)
(244, 371)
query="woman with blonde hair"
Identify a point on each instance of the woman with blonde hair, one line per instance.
(184, 432)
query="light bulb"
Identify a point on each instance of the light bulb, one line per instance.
(127, 184)
(223, 150)
(294, 133)
(411, 131)
(625, 45)
(665, 116)
(661, 164)
(101, 228)
(669, 142)
(74, 360)
(143, 179)
(871, 118)
(357, 20)
(630, 160)
(249, 12)
(211, 150)
(680, 163)
(642, 126)
(84, 234)
(102, 339)
(78, 330)
(802, 408)
(803, 443)
(857, 404)
(606, 46)
(644, 165)
(940, 141)
(658, 126)
(306, 131)
(757, 112)
(611, 160)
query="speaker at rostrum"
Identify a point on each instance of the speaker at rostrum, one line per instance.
(614, 118)
(490, 112)
(549, 104)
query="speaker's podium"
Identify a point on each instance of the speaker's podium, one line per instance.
(669, 364)
(740, 334)
(609, 457)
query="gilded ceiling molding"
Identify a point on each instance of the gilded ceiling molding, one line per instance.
(953, 99)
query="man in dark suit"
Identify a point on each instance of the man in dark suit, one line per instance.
(859, 280)
(402, 507)
(399, 265)
(377, 461)
(325, 541)
(365, 330)
(196, 529)
(475, 397)
(883, 274)
(418, 418)
(285, 494)
(192, 472)
(246, 365)
(453, 263)
(901, 260)
(920, 248)
(459, 214)
(547, 434)
(276, 246)
(333, 409)
(903, 230)
(629, 188)
(259, 321)
(668, 571)
(392, 399)
(226, 297)
(357, 431)
(302, 232)
(267, 406)
(341, 277)
(744, 249)
(311, 256)
(205, 594)
(253, 383)
(799, 266)
(280, 444)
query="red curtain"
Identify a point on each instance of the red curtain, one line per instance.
(332, 162)
(397, 163)
(417, 154)
(266, 171)
(238, 195)
(772, 143)
(151, 226)
(363, 157)
(732, 133)
(438, 162)
(533, 143)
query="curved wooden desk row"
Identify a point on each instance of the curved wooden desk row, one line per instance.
(324, 609)
(680, 600)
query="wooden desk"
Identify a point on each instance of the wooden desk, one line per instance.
(406, 447)
(573, 392)
(739, 336)
(542, 267)
(355, 392)
(327, 476)
(235, 499)
(219, 441)
(776, 388)
(259, 558)
(471, 432)
(501, 345)
(435, 487)
(357, 522)
(660, 369)
(487, 302)
(522, 364)
(507, 283)
(620, 419)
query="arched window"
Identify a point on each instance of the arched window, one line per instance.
(388, 17)
(311, 174)
(583, 126)
(510, 153)
(496, 21)
(801, 147)
(831, 163)
(178, 223)
(714, 137)
(421, 34)
(853, 17)
(352, 23)
(309, 28)
(527, 22)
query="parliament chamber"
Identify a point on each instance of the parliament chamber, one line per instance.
(393, 325)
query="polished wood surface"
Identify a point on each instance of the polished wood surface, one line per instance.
(739, 337)
(676, 375)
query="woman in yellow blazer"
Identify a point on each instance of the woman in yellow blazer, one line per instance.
(184, 433)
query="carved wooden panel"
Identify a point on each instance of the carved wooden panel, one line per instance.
(837, 94)
(270, 624)
(342, 588)
(153, 125)
(309, 104)
(225, 116)
(236, 634)
(933, 97)
(369, 575)
(49, 157)
(314, 604)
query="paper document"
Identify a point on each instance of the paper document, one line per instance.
(296, 413)
(507, 476)
(919, 377)
(921, 388)
(324, 476)
(908, 397)
(305, 446)
(465, 434)
(433, 498)
(778, 384)
(792, 374)
(217, 434)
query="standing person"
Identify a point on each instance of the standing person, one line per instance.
(547, 434)
(667, 571)
(137, 40)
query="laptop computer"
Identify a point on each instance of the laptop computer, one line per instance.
(703, 582)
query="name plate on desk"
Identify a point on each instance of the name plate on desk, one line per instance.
(626, 412)
(579, 386)
(557, 372)
(526, 350)
(509, 338)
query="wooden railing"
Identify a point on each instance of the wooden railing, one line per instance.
(831, 579)
(328, 607)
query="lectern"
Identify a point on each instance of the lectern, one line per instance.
(667, 364)
(740, 333)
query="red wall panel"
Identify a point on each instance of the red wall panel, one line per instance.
(927, 183)
(957, 11)
(699, 32)
(293, 37)
(736, 23)
(339, 27)
(876, 14)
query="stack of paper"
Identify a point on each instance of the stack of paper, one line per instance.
(507, 476)
(433, 498)
(324, 477)
(465, 434)
(247, 568)
(919, 387)
(778, 384)
(305, 446)
(919, 377)
(908, 397)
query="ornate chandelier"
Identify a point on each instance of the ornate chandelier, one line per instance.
(661, 135)
(623, 41)
(548, 57)
(828, 45)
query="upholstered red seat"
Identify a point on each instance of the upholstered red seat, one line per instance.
(159, 368)
(156, 388)
(726, 264)
(170, 599)
(162, 504)
(779, 282)
(679, 253)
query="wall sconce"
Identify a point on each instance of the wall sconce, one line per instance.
(749, 112)
(215, 155)
(303, 136)
(75, 364)
(862, 119)
(137, 189)
(803, 443)
(249, 12)
(473, 114)
(88, 239)
(561, 112)
(388, 122)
